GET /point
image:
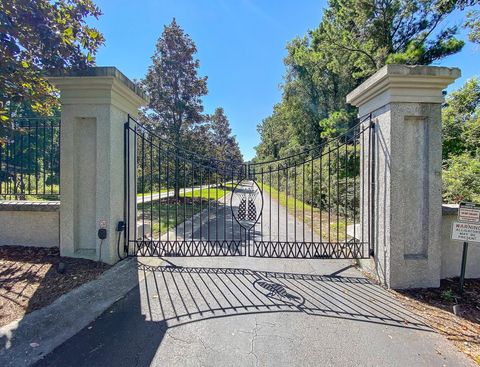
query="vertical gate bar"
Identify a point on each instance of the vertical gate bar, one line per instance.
(208, 203)
(368, 178)
(51, 157)
(270, 205)
(320, 188)
(185, 198)
(311, 197)
(135, 183)
(216, 202)
(338, 190)
(151, 186)
(286, 206)
(261, 193)
(193, 202)
(143, 183)
(201, 202)
(176, 189)
(303, 201)
(20, 155)
(126, 187)
(231, 203)
(372, 178)
(329, 197)
(29, 127)
(168, 201)
(362, 183)
(354, 206)
(1, 183)
(36, 157)
(224, 201)
(12, 159)
(346, 189)
(44, 153)
(295, 203)
(160, 192)
(278, 202)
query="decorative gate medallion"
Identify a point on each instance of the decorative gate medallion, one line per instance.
(247, 203)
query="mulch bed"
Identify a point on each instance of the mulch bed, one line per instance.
(435, 305)
(29, 278)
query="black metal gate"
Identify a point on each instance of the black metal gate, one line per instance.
(313, 204)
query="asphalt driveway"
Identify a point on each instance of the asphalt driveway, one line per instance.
(241, 311)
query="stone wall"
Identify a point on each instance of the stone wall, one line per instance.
(28, 223)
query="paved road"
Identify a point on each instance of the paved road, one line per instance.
(255, 312)
(243, 311)
(148, 197)
(276, 223)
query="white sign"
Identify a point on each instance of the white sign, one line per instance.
(469, 213)
(102, 223)
(466, 232)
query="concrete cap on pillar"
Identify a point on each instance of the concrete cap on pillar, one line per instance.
(402, 83)
(98, 85)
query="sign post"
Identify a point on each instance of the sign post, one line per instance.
(467, 229)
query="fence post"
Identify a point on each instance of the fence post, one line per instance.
(95, 104)
(405, 105)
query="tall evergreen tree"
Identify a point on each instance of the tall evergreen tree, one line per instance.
(225, 145)
(175, 90)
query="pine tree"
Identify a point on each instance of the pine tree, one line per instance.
(175, 90)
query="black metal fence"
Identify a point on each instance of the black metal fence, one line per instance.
(30, 160)
(180, 199)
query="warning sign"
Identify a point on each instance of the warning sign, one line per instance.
(469, 213)
(466, 232)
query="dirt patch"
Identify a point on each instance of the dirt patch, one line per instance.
(435, 305)
(29, 278)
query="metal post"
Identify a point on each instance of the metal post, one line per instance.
(464, 265)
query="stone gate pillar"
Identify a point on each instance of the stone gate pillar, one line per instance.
(405, 105)
(95, 104)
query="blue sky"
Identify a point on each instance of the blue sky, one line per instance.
(241, 46)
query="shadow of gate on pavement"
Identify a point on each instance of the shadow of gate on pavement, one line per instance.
(179, 295)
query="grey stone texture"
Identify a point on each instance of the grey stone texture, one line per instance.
(405, 105)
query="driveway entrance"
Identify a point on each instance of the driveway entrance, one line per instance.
(244, 311)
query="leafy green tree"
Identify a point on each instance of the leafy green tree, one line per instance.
(461, 121)
(175, 90)
(377, 32)
(461, 144)
(38, 37)
(473, 24)
(354, 39)
(461, 179)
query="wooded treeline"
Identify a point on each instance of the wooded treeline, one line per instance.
(353, 40)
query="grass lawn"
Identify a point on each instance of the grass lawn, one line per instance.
(214, 192)
(167, 213)
(330, 231)
(147, 194)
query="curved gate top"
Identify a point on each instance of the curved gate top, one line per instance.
(313, 204)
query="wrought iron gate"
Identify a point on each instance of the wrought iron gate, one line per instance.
(313, 204)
